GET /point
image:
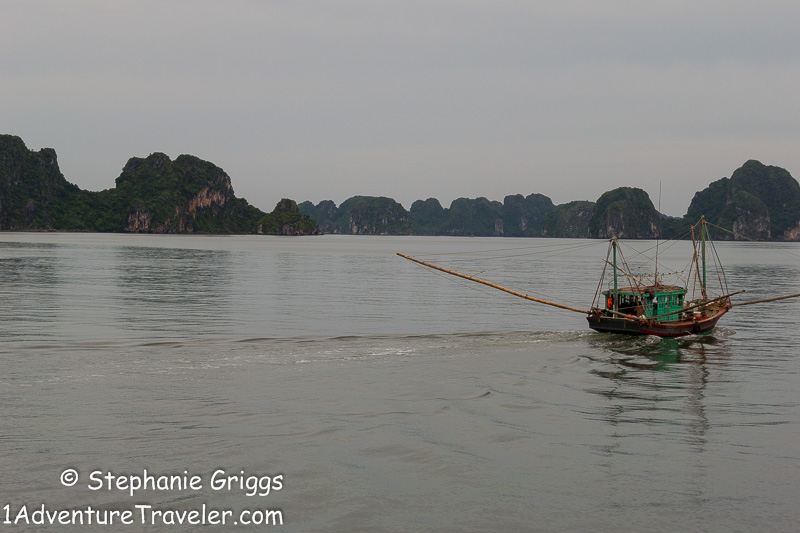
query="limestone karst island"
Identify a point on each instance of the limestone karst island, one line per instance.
(151, 195)
(188, 195)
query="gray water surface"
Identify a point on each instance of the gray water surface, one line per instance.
(387, 397)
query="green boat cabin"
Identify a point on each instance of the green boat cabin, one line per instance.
(652, 301)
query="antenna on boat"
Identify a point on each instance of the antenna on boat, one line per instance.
(658, 235)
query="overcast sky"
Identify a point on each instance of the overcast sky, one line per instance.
(411, 99)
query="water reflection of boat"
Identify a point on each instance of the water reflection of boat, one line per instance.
(683, 306)
(647, 353)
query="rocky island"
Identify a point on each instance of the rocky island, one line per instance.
(758, 202)
(188, 195)
(151, 195)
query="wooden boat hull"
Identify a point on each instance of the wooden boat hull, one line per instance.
(673, 328)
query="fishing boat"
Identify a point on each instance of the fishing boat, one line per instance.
(642, 308)
(631, 304)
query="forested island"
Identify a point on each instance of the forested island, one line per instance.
(758, 202)
(189, 195)
(151, 195)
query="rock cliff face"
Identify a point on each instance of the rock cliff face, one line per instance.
(138, 220)
(749, 217)
(792, 233)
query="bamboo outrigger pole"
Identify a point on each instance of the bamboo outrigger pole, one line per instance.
(493, 285)
(765, 300)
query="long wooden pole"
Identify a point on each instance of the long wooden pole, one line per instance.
(493, 285)
(765, 300)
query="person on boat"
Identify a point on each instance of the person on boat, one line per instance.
(652, 303)
(639, 308)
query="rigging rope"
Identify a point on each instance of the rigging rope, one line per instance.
(748, 239)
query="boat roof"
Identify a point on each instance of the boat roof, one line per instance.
(656, 289)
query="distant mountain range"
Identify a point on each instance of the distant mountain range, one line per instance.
(757, 202)
(189, 195)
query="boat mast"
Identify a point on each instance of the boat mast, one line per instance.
(695, 259)
(703, 252)
(614, 246)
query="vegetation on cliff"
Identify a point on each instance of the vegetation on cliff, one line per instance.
(428, 217)
(570, 220)
(152, 195)
(525, 216)
(359, 215)
(479, 217)
(286, 219)
(625, 212)
(33, 192)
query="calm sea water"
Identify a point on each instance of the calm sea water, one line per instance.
(370, 394)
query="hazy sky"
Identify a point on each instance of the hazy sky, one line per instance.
(411, 99)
